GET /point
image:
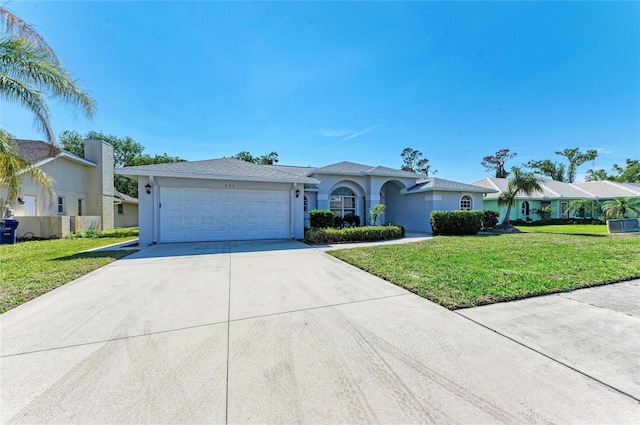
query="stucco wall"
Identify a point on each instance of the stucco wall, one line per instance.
(73, 181)
(129, 216)
(44, 227)
(86, 222)
(100, 193)
(69, 180)
(148, 218)
(413, 210)
(367, 190)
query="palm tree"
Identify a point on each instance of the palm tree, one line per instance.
(29, 69)
(621, 207)
(13, 169)
(521, 182)
(580, 207)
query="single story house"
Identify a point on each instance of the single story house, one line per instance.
(230, 199)
(556, 194)
(125, 210)
(83, 190)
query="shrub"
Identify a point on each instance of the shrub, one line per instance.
(321, 219)
(456, 222)
(353, 234)
(403, 230)
(338, 222)
(490, 219)
(352, 219)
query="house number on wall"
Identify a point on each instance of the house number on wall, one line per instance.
(229, 185)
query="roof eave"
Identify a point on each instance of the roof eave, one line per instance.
(133, 174)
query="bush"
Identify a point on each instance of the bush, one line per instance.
(338, 222)
(353, 234)
(321, 219)
(403, 229)
(490, 219)
(456, 222)
(352, 220)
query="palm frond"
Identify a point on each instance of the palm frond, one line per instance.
(24, 60)
(12, 24)
(17, 91)
(13, 169)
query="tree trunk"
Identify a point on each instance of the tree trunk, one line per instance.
(506, 220)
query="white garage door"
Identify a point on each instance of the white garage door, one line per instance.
(200, 214)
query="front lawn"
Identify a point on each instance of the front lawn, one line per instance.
(30, 269)
(467, 271)
(570, 229)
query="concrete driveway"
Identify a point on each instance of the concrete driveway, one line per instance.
(272, 332)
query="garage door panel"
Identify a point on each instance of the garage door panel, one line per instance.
(201, 214)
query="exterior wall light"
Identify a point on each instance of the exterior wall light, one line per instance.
(297, 193)
(148, 187)
(21, 201)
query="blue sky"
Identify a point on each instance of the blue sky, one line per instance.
(322, 82)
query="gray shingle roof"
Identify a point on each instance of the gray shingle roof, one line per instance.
(433, 183)
(293, 169)
(125, 198)
(34, 151)
(223, 168)
(346, 167)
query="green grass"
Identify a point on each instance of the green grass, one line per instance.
(30, 269)
(568, 229)
(467, 271)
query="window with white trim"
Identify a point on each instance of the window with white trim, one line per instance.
(342, 201)
(525, 209)
(79, 206)
(466, 202)
(60, 204)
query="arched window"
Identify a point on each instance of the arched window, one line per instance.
(306, 204)
(466, 202)
(525, 209)
(342, 201)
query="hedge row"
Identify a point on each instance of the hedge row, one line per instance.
(353, 234)
(321, 219)
(456, 222)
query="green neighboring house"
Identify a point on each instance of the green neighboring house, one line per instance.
(557, 195)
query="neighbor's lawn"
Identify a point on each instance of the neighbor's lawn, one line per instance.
(30, 269)
(571, 229)
(467, 271)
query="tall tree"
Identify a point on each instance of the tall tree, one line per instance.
(521, 182)
(496, 162)
(126, 152)
(412, 161)
(29, 71)
(559, 171)
(545, 167)
(576, 159)
(268, 159)
(629, 173)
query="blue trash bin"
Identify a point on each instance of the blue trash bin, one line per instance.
(8, 231)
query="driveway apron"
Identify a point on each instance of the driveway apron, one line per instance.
(272, 332)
